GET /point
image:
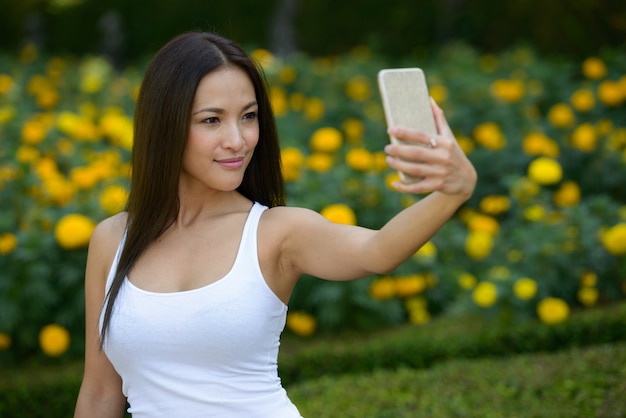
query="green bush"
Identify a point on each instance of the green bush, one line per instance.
(544, 233)
(446, 339)
(408, 369)
(574, 383)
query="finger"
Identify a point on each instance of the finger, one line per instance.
(410, 136)
(440, 119)
(417, 187)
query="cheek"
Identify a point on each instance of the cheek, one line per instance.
(252, 136)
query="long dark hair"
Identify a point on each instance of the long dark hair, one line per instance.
(162, 118)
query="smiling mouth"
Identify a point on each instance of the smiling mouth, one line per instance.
(235, 162)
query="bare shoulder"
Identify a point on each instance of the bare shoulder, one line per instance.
(104, 242)
(109, 231)
(292, 214)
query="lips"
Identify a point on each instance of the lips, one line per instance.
(234, 162)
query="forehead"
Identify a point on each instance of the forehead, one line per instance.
(227, 82)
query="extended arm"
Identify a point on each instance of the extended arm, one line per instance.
(340, 252)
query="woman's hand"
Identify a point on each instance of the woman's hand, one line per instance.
(439, 164)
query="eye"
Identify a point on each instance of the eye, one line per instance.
(212, 120)
(250, 116)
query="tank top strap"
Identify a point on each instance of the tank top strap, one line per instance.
(252, 224)
(116, 261)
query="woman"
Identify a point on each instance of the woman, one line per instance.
(186, 291)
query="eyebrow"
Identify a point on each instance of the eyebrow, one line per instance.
(220, 110)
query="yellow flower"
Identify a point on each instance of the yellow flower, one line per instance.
(297, 101)
(383, 288)
(524, 190)
(410, 285)
(7, 113)
(319, 162)
(419, 316)
(292, 162)
(27, 154)
(6, 83)
(534, 213)
(118, 127)
(584, 137)
(536, 143)
(610, 93)
(278, 97)
(561, 116)
(339, 213)
(495, 204)
(499, 273)
(359, 159)
(545, 171)
(489, 135)
(73, 231)
(485, 294)
(467, 280)
(353, 129)
(358, 88)
(509, 91)
(583, 100)
(427, 251)
(392, 178)
(91, 83)
(84, 177)
(588, 296)
(567, 195)
(5, 341)
(301, 323)
(594, 68)
(478, 245)
(588, 279)
(605, 127)
(264, 57)
(525, 288)
(54, 340)
(326, 139)
(438, 92)
(552, 310)
(483, 223)
(614, 239)
(113, 199)
(314, 109)
(48, 98)
(466, 144)
(8, 243)
(34, 131)
(76, 126)
(287, 74)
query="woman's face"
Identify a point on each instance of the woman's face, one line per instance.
(223, 133)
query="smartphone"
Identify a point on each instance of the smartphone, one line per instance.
(406, 102)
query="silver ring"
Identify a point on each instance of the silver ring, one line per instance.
(433, 142)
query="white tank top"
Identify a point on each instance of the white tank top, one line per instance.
(207, 352)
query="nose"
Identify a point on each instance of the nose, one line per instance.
(234, 138)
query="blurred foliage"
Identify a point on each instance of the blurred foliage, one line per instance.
(578, 366)
(543, 235)
(574, 29)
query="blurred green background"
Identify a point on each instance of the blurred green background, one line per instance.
(317, 27)
(535, 92)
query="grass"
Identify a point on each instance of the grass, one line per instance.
(579, 382)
